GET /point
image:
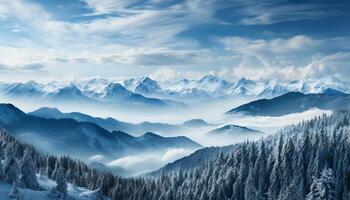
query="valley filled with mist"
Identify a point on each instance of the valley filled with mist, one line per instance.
(152, 123)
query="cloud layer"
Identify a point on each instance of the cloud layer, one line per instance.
(234, 38)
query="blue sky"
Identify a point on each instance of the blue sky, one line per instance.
(168, 39)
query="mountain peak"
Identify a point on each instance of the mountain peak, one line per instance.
(48, 109)
(195, 123)
(147, 86)
(150, 134)
(244, 82)
(146, 78)
(209, 78)
(233, 129)
(115, 86)
(70, 90)
(116, 90)
(47, 112)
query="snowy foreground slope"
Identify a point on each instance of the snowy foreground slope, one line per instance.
(74, 192)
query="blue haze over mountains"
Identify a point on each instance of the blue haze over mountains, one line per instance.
(113, 139)
(83, 139)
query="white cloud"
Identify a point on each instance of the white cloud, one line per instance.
(170, 73)
(286, 58)
(270, 12)
(150, 161)
(127, 35)
(337, 64)
(96, 158)
(114, 39)
(279, 45)
(109, 6)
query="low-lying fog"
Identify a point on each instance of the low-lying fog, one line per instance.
(137, 164)
(212, 112)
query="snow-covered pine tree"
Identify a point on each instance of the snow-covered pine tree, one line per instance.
(56, 169)
(11, 169)
(260, 172)
(1, 171)
(28, 177)
(291, 193)
(302, 163)
(60, 190)
(323, 187)
(276, 173)
(287, 163)
(250, 191)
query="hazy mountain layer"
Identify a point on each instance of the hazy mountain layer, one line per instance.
(82, 139)
(294, 102)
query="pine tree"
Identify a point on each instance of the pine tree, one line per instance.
(260, 172)
(28, 177)
(60, 191)
(302, 165)
(323, 187)
(250, 191)
(11, 169)
(2, 176)
(275, 177)
(287, 164)
(291, 193)
(238, 186)
(55, 171)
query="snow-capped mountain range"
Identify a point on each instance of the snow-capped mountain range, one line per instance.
(149, 91)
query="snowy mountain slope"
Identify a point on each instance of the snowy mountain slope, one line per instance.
(69, 93)
(294, 102)
(30, 89)
(27, 174)
(74, 192)
(92, 87)
(195, 160)
(306, 161)
(81, 139)
(273, 88)
(205, 155)
(147, 87)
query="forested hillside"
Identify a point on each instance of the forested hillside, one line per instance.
(306, 161)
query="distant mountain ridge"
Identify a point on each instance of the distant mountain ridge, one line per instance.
(148, 91)
(82, 139)
(112, 124)
(102, 94)
(294, 102)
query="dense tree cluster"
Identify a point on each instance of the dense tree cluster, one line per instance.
(306, 161)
